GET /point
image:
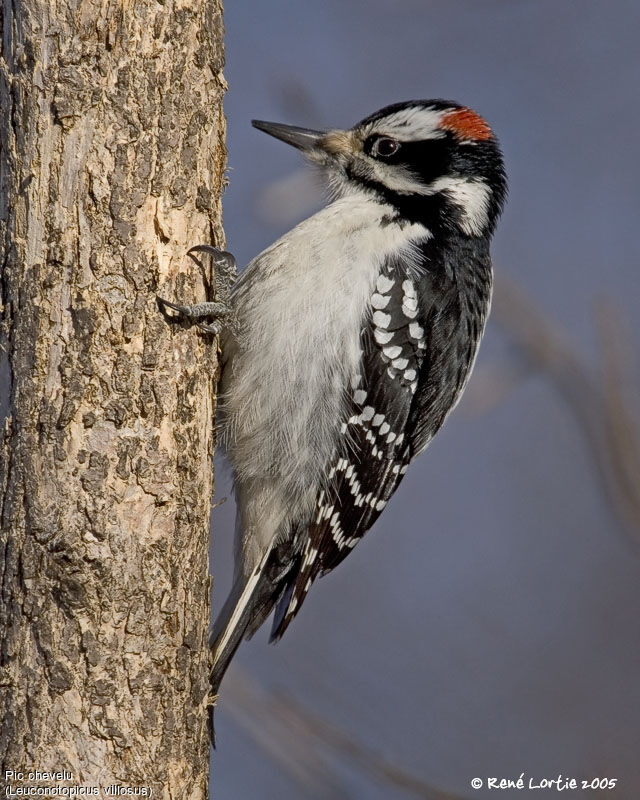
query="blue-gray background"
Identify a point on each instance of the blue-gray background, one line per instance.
(488, 625)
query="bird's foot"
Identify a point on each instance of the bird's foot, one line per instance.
(213, 315)
(200, 312)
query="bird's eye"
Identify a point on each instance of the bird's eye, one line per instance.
(384, 146)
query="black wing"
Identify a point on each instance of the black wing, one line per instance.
(418, 345)
(374, 450)
(460, 296)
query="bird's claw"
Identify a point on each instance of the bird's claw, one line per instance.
(225, 263)
(216, 310)
(168, 304)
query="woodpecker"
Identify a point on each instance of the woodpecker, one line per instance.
(353, 338)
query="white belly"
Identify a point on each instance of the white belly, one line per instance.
(300, 307)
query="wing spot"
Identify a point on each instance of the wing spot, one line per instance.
(409, 312)
(383, 284)
(309, 557)
(379, 300)
(328, 511)
(382, 337)
(367, 414)
(381, 320)
(360, 396)
(392, 352)
(409, 302)
(352, 542)
(409, 289)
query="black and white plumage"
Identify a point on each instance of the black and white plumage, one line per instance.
(354, 336)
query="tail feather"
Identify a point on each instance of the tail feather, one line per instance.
(249, 604)
(234, 619)
(306, 569)
(279, 623)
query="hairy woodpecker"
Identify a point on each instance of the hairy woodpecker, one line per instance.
(353, 337)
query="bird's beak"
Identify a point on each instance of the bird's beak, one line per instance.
(302, 138)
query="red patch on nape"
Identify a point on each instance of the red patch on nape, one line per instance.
(466, 124)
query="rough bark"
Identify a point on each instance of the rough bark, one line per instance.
(112, 159)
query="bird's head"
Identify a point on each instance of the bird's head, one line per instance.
(434, 161)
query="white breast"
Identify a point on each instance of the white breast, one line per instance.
(300, 306)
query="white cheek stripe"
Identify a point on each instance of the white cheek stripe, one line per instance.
(396, 178)
(471, 195)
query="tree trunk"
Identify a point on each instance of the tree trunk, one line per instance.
(112, 158)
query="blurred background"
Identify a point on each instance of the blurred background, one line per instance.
(488, 625)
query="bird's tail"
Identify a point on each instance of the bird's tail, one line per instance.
(249, 604)
(234, 619)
